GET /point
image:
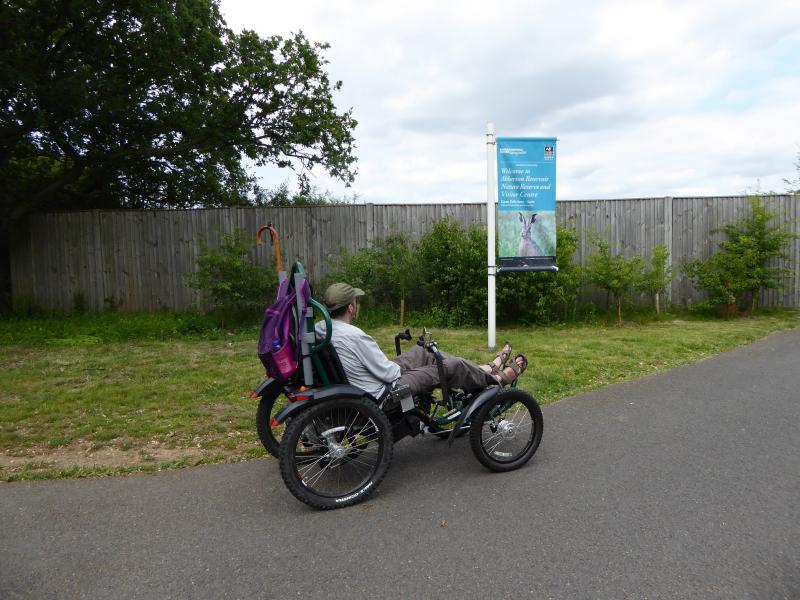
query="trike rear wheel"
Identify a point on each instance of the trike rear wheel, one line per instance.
(336, 453)
(268, 407)
(506, 431)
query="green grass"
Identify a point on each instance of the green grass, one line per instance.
(77, 399)
(80, 329)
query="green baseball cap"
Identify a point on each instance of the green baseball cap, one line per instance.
(341, 294)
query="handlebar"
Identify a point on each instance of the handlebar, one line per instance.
(425, 340)
(403, 335)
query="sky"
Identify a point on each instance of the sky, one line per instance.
(647, 99)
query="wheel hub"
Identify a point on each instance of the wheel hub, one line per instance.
(336, 451)
(507, 429)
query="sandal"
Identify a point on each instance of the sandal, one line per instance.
(493, 367)
(499, 374)
(517, 368)
(503, 355)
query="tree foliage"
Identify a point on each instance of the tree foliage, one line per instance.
(747, 261)
(233, 285)
(154, 103)
(444, 275)
(281, 196)
(547, 296)
(388, 270)
(617, 274)
(657, 276)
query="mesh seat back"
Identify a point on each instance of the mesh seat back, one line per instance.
(332, 365)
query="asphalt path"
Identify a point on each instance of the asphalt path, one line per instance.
(681, 485)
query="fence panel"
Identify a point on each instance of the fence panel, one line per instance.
(138, 260)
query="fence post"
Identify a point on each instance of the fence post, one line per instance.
(370, 223)
(22, 277)
(668, 241)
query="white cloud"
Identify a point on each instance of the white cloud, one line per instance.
(647, 98)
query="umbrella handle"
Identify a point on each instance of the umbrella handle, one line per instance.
(275, 241)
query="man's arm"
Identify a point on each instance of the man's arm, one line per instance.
(375, 360)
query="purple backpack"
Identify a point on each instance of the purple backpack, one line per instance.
(278, 344)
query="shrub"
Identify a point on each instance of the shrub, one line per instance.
(443, 277)
(452, 263)
(358, 268)
(722, 276)
(397, 269)
(543, 297)
(233, 285)
(745, 264)
(443, 274)
(618, 275)
(657, 276)
(387, 270)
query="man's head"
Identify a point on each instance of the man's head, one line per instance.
(341, 300)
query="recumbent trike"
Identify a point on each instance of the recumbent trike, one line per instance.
(337, 440)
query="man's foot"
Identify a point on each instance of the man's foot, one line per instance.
(501, 358)
(499, 361)
(512, 371)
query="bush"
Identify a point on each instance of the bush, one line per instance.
(452, 263)
(233, 285)
(387, 271)
(442, 275)
(543, 297)
(618, 275)
(745, 264)
(656, 278)
(443, 278)
(722, 276)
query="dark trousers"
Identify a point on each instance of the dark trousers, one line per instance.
(418, 370)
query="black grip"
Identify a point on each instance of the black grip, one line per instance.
(406, 335)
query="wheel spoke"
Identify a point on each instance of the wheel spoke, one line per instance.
(347, 429)
(492, 449)
(518, 418)
(342, 460)
(310, 466)
(367, 424)
(314, 478)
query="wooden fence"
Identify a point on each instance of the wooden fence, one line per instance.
(136, 260)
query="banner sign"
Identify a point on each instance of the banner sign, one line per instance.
(526, 203)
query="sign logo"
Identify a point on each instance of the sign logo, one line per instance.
(549, 152)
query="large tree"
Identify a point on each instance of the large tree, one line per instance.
(153, 103)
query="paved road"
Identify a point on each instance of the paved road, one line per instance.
(683, 485)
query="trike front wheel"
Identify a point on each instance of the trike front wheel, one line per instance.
(506, 431)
